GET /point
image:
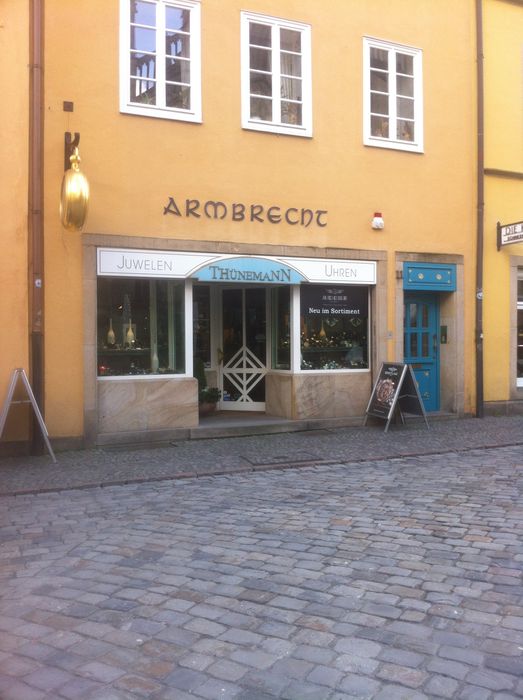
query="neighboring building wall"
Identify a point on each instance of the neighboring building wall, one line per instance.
(503, 51)
(135, 163)
(14, 77)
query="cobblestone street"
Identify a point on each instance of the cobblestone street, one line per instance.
(389, 579)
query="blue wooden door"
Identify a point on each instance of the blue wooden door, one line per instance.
(421, 345)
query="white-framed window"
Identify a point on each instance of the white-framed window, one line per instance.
(276, 83)
(160, 62)
(392, 96)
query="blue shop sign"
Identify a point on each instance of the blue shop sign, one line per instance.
(250, 270)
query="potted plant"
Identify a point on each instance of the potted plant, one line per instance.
(208, 396)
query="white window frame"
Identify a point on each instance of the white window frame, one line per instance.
(194, 114)
(276, 126)
(393, 142)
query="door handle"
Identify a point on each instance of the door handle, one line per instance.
(219, 354)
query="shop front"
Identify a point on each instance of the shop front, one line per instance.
(289, 336)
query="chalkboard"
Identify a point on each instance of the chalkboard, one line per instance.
(395, 391)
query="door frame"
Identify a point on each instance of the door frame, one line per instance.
(223, 405)
(433, 298)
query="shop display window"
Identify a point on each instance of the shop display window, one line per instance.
(202, 324)
(519, 348)
(281, 334)
(140, 327)
(334, 327)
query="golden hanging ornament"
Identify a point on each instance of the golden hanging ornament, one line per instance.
(75, 196)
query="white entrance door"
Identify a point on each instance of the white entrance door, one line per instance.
(244, 343)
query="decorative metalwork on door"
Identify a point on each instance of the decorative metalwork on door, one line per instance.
(421, 345)
(244, 353)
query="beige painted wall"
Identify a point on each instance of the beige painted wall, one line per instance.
(503, 22)
(14, 78)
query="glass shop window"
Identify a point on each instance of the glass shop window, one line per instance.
(334, 327)
(202, 324)
(281, 329)
(140, 327)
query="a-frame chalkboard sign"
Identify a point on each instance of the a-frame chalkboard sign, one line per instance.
(9, 401)
(395, 392)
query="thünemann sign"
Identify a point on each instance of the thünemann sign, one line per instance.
(237, 211)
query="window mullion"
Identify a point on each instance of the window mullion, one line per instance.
(276, 74)
(160, 54)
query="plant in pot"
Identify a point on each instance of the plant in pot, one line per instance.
(208, 396)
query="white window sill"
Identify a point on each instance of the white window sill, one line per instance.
(394, 145)
(159, 113)
(278, 129)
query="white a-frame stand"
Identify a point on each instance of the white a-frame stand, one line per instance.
(9, 402)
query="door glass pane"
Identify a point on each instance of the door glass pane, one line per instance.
(424, 315)
(232, 323)
(413, 315)
(202, 324)
(255, 330)
(414, 345)
(424, 344)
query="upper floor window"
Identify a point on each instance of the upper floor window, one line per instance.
(393, 98)
(276, 75)
(160, 70)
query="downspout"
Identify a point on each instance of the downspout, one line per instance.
(35, 214)
(480, 207)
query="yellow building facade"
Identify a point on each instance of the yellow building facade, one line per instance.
(281, 195)
(503, 185)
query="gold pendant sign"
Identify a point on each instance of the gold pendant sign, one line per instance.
(75, 196)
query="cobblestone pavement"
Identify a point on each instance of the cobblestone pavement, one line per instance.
(389, 579)
(249, 454)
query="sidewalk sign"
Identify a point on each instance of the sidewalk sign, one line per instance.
(395, 392)
(20, 373)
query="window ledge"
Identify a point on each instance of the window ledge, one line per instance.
(394, 145)
(159, 113)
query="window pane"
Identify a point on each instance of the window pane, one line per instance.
(290, 64)
(405, 107)
(260, 84)
(178, 96)
(177, 45)
(291, 113)
(281, 337)
(379, 127)
(143, 39)
(291, 88)
(424, 315)
(202, 324)
(143, 65)
(405, 86)
(405, 130)
(143, 91)
(334, 323)
(414, 345)
(176, 18)
(140, 327)
(379, 58)
(178, 71)
(261, 109)
(520, 290)
(261, 59)
(379, 81)
(290, 40)
(143, 13)
(379, 104)
(259, 34)
(404, 64)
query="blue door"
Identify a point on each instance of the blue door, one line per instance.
(421, 345)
